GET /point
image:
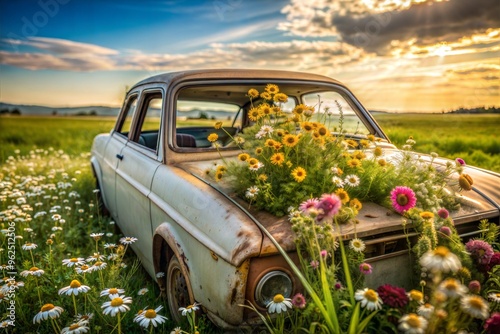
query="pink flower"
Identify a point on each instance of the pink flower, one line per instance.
(492, 325)
(299, 301)
(480, 250)
(328, 206)
(460, 161)
(307, 205)
(443, 213)
(314, 264)
(403, 199)
(393, 296)
(445, 230)
(365, 268)
(338, 286)
(323, 253)
(474, 287)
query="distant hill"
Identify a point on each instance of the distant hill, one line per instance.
(479, 110)
(68, 111)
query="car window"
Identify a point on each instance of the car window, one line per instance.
(150, 121)
(125, 123)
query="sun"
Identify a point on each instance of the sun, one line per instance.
(440, 50)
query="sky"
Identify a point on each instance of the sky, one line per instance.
(395, 55)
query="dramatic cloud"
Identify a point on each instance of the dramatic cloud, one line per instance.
(60, 46)
(376, 26)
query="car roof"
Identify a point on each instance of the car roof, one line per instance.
(246, 74)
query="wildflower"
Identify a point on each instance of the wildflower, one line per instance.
(475, 306)
(343, 195)
(337, 286)
(243, 157)
(440, 259)
(128, 240)
(474, 287)
(314, 264)
(337, 181)
(150, 316)
(29, 246)
(252, 192)
(190, 308)
(84, 317)
(83, 269)
(354, 163)
(465, 182)
(426, 215)
(142, 291)
(452, 288)
(272, 89)
(33, 271)
(109, 246)
(393, 296)
(403, 199)
(254, 114)
(279, 304)
(280, 97)
(218, 125)
(253, 93)
(48, 311)
(74, 261)
(277, 159)
(369, 298)
(95, 257)
(494, 297)
(307, 205)
(290, 140)
(323, 253)
(492, 325)
(416, 296)
(425, 310)
(117, 304)
(256, 167)
(445, 230)
(443, 213)
(74, 288)
(460, 161)
(355, 204)
(177, 330)
(336, 171)
(96, 236)
(357, 245)
(299, 301)
(76, 328)
(328, 205)
(160, 274)
(480, 250)
(412, 324)
(213, 137)
(99, 265)
(299, 174)
(111, 292)
(352, 180)
(365, 268)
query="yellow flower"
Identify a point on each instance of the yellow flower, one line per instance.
(343, 195)
(352, 143)
(280, 97)
(272, 89)
(265, 96)
(218, 125)
(370, 137)
(212, 137)
(262, 177)
(221, 169)
(252, 161)
(377, 151)
(353, 163)
(243, 157)
(465, 182)
(426, 215)
(253, 93)
(265, 109)
(299, 174)
(322, 130)
(299, 109)
(277, 146)
(416, 296)
(290, 140)
(355, 204)
(254, 114)
(258, 150)
(365, 143)
(382, 162)
(277, 159)
(358, 155)
(218, 176)
(307, 126)
(280, 132)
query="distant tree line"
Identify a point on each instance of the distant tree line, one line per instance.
(14, 111)
(477, 110)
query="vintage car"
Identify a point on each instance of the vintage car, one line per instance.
(212, 247)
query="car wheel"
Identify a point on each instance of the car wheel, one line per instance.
(178, 289)
(103, 210)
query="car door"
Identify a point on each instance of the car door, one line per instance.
(118, 140)
(139, 160)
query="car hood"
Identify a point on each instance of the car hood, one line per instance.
(483, 201)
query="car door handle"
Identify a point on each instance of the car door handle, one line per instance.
(119, 156)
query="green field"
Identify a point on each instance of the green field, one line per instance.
(474, 138)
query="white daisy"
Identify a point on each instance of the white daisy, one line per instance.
(352, 180)
(74, 261)
(252, 192)
(425, 310)
(83, 269)
(337, 181)
(33, 271)
(29, 246)
(96, 236)
(74, 288)
(112, 292)
(189, 309)
(150, 316)
(475, 306)
(99, 265)
(412, 324)
(357, 245)
(95, 257)
(494, 297)
(76, 328)
(452, 288)
(128, 240)
(160, 274)
(279, 304)
(142, 291)
(176, 330)
(48, 311)
(109, 246)
(369, 298)
(256, 167)
(440, 259)
(117, 304)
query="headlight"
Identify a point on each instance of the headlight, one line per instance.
(272, 283)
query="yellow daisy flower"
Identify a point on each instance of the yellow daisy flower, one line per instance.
(265, 96)
(277, 159)
(254, 114)
(272, 89)
(290, 140)
(354, 163)
(343, 195)
(213, 137)
(280, 97)
(299, 174)
(253, 93)
(243, 157)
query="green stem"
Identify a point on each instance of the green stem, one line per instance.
(119, 323)
(74, 303)
(32, 258)
(52, 321)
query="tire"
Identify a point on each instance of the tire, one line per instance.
(178, 289)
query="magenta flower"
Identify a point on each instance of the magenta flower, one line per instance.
(393, 296)
(323, 253)
(480, 250)
(443, 213)
(299, 301)
(338, 286)
(460, 161)
(445, 230)
(403, 199)
(328, 206)
(307, 205)
(365, 268)
(492, 325)
(495, 260)
(475, 287)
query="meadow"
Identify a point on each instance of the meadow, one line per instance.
(47, 196)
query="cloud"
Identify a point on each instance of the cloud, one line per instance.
(60, 46)
(377, 27)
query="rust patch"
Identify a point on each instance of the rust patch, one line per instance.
(214, 256)
(241, 248)
(370, 216)
(234, 292)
